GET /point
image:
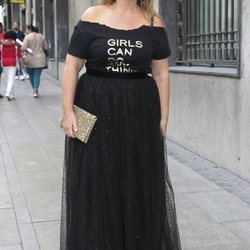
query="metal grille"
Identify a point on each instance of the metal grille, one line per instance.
(208, 32)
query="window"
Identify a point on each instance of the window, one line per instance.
(50, 26)
(62, 28)
(208, 33)
(39, 15)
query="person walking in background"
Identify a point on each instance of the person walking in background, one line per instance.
(1, 68)
(8, 43)
(19, 34)
(20, 73)
(9, 57)
(36, 61)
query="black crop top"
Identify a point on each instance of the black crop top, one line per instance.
(113, 50)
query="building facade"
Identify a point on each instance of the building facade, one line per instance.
(210, 91)
(209, 70)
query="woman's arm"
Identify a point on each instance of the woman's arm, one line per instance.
(25, 44)
(45, 44)
(70, 77)
(8, 43)
(160, 73)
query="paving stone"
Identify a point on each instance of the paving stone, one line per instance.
(238, 246)
(5, 200)
(59, 164)
(40, 181)
(11, 173)
(3, 177)
(2, 134)
(221, 205)
(212, 172)
(21, 137)
(11, 247)
(185, 180)
(34, 162)
(44, 206)
(21, 209)
(28, 236)
(241, 229)
(48, 235)
(198, 230)
(182, 201)
(56, 140)
(8, 228)
(55, 152)
(27, 148)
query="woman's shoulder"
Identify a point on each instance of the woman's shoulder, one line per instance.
(158, 21)
(40, 35)
(29, 36)
(93, 13)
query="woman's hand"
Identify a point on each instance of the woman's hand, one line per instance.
(72, 67)
(163, 127)
(69, 124)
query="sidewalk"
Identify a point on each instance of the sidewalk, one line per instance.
(213, 205)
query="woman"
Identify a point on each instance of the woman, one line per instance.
(36, 61)
(9, 57)
(6, 43)
(117, 193)
(1, 39)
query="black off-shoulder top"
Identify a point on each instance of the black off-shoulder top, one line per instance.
(107, 49)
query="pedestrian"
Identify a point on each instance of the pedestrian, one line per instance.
(9, 57)
(117, 193)
(19, 34)
(36, 61)
(20, 73)
(1, 68)
(6, 43)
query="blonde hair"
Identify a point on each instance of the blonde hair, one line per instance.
(147, 7)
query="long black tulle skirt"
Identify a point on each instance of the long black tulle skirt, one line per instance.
(117, 194)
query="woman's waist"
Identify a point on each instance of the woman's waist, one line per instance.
(36, 54)
(103, 80)
(106, 74)
(9, 61)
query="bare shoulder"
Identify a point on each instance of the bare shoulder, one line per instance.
(158, 21)
(93, 13)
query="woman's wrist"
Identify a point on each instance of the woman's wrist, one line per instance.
(67, 111)
(164, 119)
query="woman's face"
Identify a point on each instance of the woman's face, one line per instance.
(27, 31)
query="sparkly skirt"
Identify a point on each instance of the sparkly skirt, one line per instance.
(117, 194)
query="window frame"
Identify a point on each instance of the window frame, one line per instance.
(207, 67)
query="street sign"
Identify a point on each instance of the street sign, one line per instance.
(18, 1)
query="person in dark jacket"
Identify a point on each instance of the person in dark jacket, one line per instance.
(21, 72)
(19, 34)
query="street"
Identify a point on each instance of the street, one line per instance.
(213, 205)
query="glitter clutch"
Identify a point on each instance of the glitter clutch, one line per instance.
(85, 122)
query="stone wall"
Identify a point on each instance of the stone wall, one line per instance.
(210, 115)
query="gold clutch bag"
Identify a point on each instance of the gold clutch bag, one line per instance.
(85, 122)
